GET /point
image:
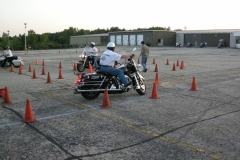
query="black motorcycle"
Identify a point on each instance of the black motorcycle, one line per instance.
(85, 60)
(90, 85)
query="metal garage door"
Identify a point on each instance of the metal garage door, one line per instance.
(132, 40)
(125, 40)
(139, 39)
(112, 39)
(119, 39)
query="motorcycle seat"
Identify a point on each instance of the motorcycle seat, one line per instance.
(104, 73)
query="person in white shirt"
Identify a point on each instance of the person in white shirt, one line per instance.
(107, 61)
(93, 52)
(8, 55)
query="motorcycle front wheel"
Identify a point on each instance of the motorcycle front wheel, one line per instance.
(80, 67)
(142, 89)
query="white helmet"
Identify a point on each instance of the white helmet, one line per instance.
(111, 45)
(92, 43)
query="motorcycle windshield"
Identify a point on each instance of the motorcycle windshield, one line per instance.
(84, 52)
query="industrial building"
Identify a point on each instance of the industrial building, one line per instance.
(160, 38)
(211, 37)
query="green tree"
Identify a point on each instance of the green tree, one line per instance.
(16, 43)
(32, 38)
(44, 40)
(4, 40)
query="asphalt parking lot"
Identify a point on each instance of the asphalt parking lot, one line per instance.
(181, 124)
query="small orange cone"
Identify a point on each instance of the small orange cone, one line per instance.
(11, 68)
(177, 63)
(29, 117)
(181, 65)
(74, 67)
(2, 92)
(106, 102)
(167, 63)
(20, 70)
(29, 68)
(7, 97)
(156, 68)
(60, 65)
(43, 63)
(43, 71)
(90, 68)
(34, 74)
(49, 78)
(153, 61)
(156, 79)
(138, 61)
(60, 74)
(174, 68)
(36, 61)
(194, 86)
(20, 66)
(154, 92)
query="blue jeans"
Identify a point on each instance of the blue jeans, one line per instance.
(95, 61)
(144, 62)
(116, 72)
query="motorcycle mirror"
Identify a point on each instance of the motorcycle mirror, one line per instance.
(134, 49)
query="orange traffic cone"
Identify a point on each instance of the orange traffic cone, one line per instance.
(174, 68)
(177, 63)
(43, 71)
(43, 63)
(156, 79)
(29, 68)
(106, 102)
(90, 68)
(153, 61)
(7, 97)
(34, 74)
(60, 74)
(36, 61)
(20, 70)
(194, 86)
(60, 65)
(181, 65)
(20, 66)
(74, 67)
(167, 63)
(156, 68)
(49, 78)
(11, 68)
(138, 61)
(2, 92)
(29, 117)
(154, 92)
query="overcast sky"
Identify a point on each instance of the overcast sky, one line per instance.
(56, 15)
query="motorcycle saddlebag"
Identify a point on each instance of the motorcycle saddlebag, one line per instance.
(93, 77)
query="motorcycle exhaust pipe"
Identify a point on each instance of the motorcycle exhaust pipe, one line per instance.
(77, 91)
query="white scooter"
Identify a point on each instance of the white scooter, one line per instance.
(17, 61)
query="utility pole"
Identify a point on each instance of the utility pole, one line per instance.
(25, 48)
(8, 37)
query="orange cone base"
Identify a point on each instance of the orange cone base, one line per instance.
(196, 89)
(2, 92)
(105, 107)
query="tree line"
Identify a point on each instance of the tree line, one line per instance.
(56, 40)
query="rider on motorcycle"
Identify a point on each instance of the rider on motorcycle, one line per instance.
(8, 55)
(107, 61)
(93, 52)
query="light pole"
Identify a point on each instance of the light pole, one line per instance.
(25, 48)
(8, 37)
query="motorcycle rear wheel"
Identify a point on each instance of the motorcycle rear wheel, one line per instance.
(80, 67)
(90, 95)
